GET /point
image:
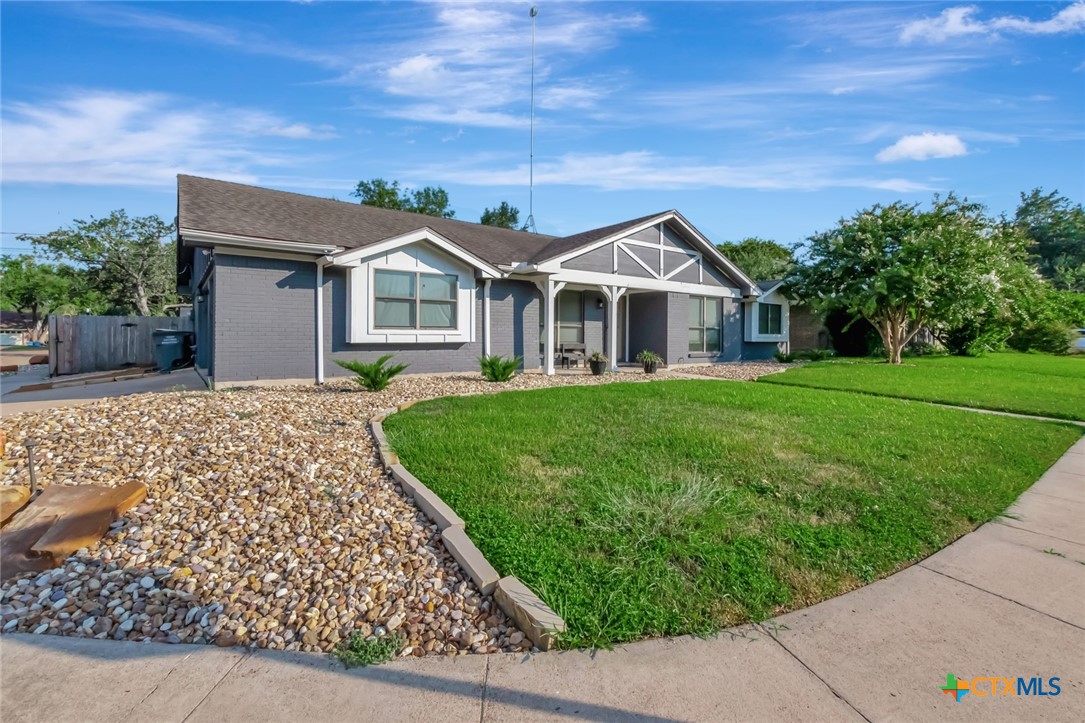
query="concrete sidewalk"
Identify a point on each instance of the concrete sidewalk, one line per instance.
(1007, 600)
(14, 401)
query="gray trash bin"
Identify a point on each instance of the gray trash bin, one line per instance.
(169, 348)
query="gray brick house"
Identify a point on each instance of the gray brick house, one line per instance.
(285, 284)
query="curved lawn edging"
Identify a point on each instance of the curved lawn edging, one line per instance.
(532, 616)
(857, 489)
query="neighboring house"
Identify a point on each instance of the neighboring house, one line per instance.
(15, 328)
(263, 266)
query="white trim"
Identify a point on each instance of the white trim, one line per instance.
(613, 294)
(256, 253)
(595, 278)
(627, 328)
(630, 254)
(694, 259)
(753, 319)
(352, 257)
(320, 321)
(550, 290)
(771, 290)
(553, 264)
(413, 258)
(486, 331)
(214, 238)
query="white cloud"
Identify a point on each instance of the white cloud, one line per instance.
(923, 146)
(961, 21)
(104, 138)
(645, 170)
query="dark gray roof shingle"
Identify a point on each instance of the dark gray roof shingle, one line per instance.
(206, 204)
(564, 245)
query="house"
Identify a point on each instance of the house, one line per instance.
(283, 285)
(16, 328)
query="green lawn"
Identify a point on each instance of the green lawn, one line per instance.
(676, 507)
(1049, 386)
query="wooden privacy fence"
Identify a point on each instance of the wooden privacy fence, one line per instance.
(79, 344)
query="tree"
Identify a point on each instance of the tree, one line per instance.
(902, 269)
(132, 259)
(504, 216)
(431, 200)
(1057, 229)
(759, 258)
(40, 289)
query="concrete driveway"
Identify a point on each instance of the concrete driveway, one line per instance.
(13, 401)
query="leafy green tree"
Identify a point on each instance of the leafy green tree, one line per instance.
(1057, 229)
(504, 216)
(131, 259)
(430, 200)
(901, 268)
(759, 258)
(38, 289)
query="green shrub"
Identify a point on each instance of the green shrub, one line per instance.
(374, 376)
(647, 356)
(1052, 337)
(921, 348)
(804, 355)
(356, 651)
(497, 368)
(975, 338)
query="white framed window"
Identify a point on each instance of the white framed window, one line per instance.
(414, 300)
(414, 294)
(705, 314)
(769, 319)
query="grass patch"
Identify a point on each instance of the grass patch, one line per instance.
(358, 652)
(637, 510)
(1041, 384)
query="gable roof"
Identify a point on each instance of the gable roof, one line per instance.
(563, 245)
(205, 204)
(235, 209)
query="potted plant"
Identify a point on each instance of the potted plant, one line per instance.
(598, 362)
(649, 360)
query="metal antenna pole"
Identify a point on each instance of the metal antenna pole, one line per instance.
(530, 224)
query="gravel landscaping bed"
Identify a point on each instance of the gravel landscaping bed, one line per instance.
(740, 371)
(268, 522)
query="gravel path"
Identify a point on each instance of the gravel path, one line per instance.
(740, 371)
(269, 522)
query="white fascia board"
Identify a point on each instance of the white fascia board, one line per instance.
(213, 238)
(557, 260)
(714, 252)
(350, 256)
(637, 283)
(771, 290)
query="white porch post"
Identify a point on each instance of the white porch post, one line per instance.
(550, 290)
(613, 294)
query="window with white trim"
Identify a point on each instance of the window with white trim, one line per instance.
(769, 318)
(704, 324)
(413, 300)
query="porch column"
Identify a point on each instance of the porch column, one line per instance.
(550, 289)
(613, 294)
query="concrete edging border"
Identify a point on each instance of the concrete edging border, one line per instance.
(534, 617)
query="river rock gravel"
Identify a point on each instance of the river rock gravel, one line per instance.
(269, 523)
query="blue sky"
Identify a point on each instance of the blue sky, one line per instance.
(767, 119)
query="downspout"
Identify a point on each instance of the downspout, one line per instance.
(486, 318)
(320, 320)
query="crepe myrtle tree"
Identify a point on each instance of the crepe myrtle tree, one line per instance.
(902, 268)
